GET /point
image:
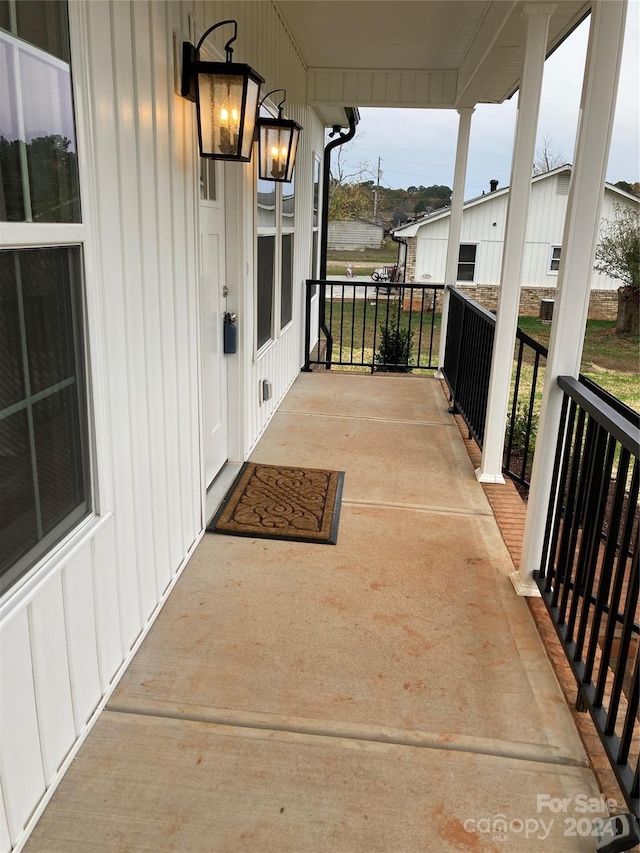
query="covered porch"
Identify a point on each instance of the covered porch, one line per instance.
(390, 693)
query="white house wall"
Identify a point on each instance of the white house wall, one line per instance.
(66, 632)
(264, 42)
(545, 229)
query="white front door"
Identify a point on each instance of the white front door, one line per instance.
(213, 307)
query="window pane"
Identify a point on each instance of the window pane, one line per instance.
(50, 136)
(5, 18)
(11, 191)
(266, 253)
(465, 272)
(288, 203)
(316, 191)
(286, 297)
(48, 286)
(43, 23)
(59, 456)
(267, 204)
(18, 524)
(44, 460)
(314, 255)
(467, 253)
(11, 365)
(207, 179)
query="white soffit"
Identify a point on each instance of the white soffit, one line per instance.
(420, 53)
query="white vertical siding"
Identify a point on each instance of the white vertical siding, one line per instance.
(65, 639)
(51, 676)
(5, 838)
(21, 769)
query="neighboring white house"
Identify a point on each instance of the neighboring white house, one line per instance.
(482, 238)
(352, 235)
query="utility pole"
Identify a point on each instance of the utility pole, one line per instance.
(375, 195)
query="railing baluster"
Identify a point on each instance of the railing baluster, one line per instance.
(558, 486)
(606, 571)
(624, 643)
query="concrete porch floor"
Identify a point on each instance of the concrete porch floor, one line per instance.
(387, 694)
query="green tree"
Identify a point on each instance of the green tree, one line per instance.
(350, 201)
(618, 256)
(350, 192)
(624, 185)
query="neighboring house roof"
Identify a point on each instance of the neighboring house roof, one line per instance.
(411, 228)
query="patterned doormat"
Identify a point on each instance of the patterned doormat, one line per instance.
(281, 502)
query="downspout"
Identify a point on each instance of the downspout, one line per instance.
(402, 261)
(353, 116)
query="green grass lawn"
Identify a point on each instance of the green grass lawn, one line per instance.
(357, 325)
(610, 360)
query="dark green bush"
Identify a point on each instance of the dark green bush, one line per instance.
(395, 347)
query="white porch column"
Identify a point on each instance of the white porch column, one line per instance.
(579, 241)
(455, 223)
(537, 16)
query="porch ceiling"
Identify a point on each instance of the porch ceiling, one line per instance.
(416, 53)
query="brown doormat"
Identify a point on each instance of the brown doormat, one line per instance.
(281, 502)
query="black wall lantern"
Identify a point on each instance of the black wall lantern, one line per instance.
(226, 95)
(277, 144)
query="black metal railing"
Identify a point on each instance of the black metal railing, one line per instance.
(467, 360)
(589, 571)
(373, 327)
(522, 420)
(467, 369)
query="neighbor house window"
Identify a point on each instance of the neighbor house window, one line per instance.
(44, 486)
(276, 227)
(554, 259)
(38, 160)
(467, 262)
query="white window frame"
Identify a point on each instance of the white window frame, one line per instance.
(33, 235)
(552, 258)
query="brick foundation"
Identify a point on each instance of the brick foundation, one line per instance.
(603, 304)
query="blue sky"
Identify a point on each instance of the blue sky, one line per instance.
(418, 146)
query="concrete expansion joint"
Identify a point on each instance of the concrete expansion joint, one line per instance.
(425, 508)
(354, 733)
(366, 418)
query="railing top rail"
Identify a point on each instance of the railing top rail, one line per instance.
(474, 306)
(386, 284)
(615, 423)
(535, 345)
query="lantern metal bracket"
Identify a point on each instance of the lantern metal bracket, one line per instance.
(281, 102)
(191, 55)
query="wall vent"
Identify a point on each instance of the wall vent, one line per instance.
(562, 186)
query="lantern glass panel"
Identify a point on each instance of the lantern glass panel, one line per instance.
(227, 106)
(295, 136)
(251, 114)
(275, 152)
(220, 103)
